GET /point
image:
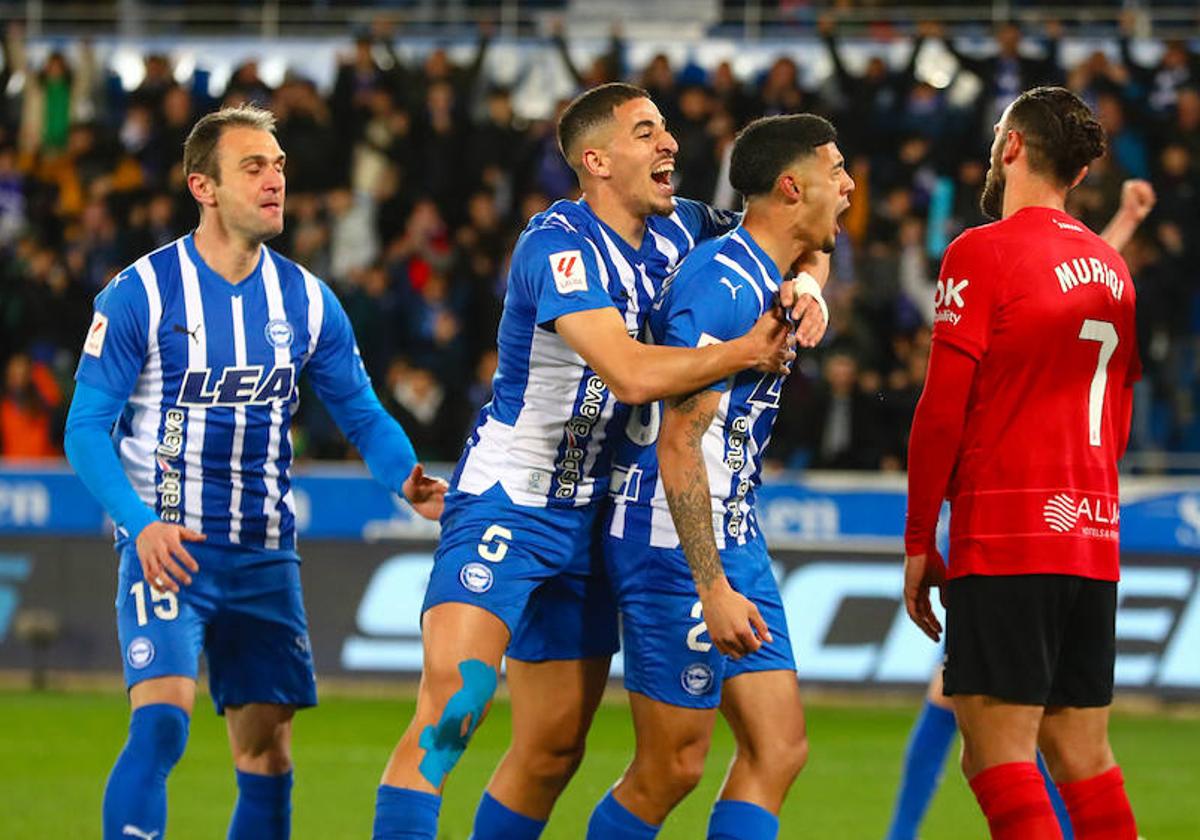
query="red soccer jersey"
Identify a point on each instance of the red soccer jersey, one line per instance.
(1046, 307)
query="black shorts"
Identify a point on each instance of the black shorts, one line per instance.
(1038, 640)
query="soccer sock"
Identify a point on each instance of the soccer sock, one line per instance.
(135, 799)
(494, 821)
(1013, 798)
(403, 814)
(1056, 800)
(734, 820)
(1100, 808)
(612, 821)
(264, 807)
(923, 763)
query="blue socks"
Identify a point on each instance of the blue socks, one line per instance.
(264, 807)
(1060, 807)
(611, 821)
(734, 820)
(927, 748)
(135, 799)
(403, 814)
(494, 821)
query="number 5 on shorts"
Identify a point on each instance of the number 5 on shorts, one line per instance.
(494, 544)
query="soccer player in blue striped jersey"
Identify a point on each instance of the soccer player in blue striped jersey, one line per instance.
(518, 573)
(702, 619)
(194, 354)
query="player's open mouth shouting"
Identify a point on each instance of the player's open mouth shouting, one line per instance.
(661, 175)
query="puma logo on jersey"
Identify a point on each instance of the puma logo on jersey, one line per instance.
(134, 831)
(1083, 271)
(569, 273)
(253, 385)
(733, 290)
(194, 333)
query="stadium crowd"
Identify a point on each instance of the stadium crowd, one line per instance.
(410, 181)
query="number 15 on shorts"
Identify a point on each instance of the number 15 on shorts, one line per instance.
(164, 604)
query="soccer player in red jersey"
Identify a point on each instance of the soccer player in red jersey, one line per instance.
(1024, 416)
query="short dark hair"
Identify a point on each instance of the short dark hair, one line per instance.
(1060, 131)
(767, 146)
(590, 109)
(200, 148)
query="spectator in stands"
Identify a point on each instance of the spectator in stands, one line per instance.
(28, 410)
(53, 96)
(1159, 84)
(838, 427)
(1007, 72)
(873, 99)
(433, 167)
(414, 395)
(606, 67)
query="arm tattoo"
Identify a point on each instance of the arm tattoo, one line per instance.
(685, 483)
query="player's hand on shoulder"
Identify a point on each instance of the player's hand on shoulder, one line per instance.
(426, 493)
(921, 572)
(165, 562)
(735, 625)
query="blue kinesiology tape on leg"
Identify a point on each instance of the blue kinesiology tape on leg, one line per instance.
(445, 742)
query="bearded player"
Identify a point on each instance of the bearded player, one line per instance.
(1024, 416)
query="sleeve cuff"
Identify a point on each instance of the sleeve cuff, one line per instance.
(137, 521)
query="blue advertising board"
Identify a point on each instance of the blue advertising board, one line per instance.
(836, 512)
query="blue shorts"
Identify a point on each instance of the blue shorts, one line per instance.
(248, 620)
(669, 656)
(539, 570)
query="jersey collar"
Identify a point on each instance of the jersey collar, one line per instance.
(765, 264)
(212, 279)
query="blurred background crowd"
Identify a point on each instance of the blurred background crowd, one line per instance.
(411, 176)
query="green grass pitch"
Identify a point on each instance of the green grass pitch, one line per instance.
(56, 748)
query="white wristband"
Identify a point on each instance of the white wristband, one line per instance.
(805, 284)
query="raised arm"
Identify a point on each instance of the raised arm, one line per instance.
(734, 623)
(1137, 200)
(558, 37)
(638, 373)
(981, 67)
(826, 26)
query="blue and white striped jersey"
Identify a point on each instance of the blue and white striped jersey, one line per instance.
(545, 436)
(718, 293)
(208, 371)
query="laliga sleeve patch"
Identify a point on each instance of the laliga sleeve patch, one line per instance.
(569, 273)
(94, 344)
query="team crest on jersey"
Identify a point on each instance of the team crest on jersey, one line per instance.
(252, 385)
(140, 653)
(476, 578)
(697, 679)
(568, 270)
(279, 333)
